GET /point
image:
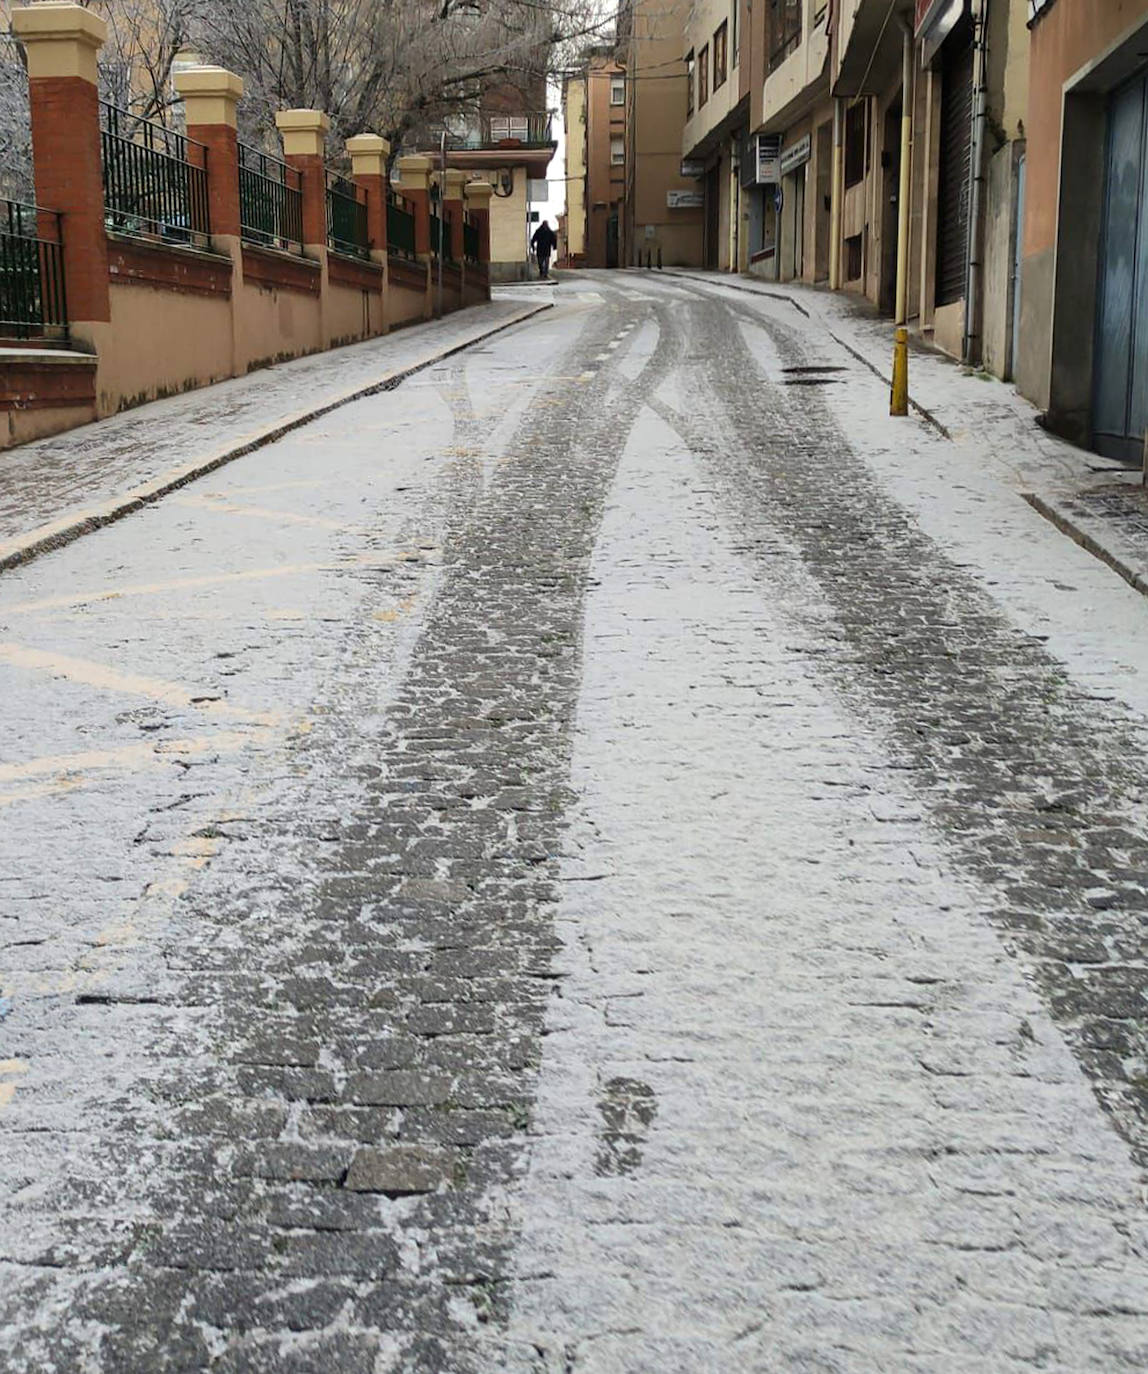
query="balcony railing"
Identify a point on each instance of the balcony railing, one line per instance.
(155, 180)
(32, 299)
(485, 130)
(347, 217)
(270, 201)
(400, 226)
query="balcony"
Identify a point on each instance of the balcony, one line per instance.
(491, 139)
(798, 74)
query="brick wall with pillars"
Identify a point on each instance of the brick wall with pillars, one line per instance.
(304, 135)
(453, 205)
(414, 183)
(369, 155)
(478, 194)
(61, 42)
(210, 96)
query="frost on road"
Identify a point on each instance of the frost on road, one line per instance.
(590, 861)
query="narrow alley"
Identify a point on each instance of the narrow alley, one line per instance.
(611, 856)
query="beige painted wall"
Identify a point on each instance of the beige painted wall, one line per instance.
(405, 304)
(656, 89)
(159, 343)
(276, 324)
(705, 17)
(574, 105)
(804, 69)
(351, 312)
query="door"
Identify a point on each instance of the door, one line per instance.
(890, 213)
(823, 205)
(956, 161)
(1120, 359)
(795, 210)
(612, 240)
(713, 216)
(1017, 259)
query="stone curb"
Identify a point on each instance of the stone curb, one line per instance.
(746, 290)
(1078, 534)
(45, 538)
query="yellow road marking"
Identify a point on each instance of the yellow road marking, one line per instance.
(403, 608)
(89, 760)
(107, 679)
(260, 512)
(51, 603)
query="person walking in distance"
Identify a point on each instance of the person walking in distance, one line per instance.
(543, 243)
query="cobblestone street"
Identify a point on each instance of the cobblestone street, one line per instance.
(611, 856)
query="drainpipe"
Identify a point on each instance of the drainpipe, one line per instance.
(906, 174)
(976, 178)
(836, 192)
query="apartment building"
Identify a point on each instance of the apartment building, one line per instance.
(663, 211)
(716, 124)
(594, 102)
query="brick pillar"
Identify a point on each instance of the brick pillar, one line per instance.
(414, 183)
(369, 155)
(304, 135)
(478, 194)
(61, 42)
(453, 204)
(210, 95)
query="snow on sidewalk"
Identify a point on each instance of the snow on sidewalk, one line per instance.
(59, 482)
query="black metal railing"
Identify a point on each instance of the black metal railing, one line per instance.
(32, 299)
(488, 129)
(400, 226)
(155, 180)
(270, 201)
(347, 217)
(440, 234)
(470, 239)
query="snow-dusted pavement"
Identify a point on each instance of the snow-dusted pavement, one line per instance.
(613, 856)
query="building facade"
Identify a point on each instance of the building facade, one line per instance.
(716, 123)
(594, 101)
(1082, 345)
(663, 211)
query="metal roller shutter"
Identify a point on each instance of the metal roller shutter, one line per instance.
(955, 157)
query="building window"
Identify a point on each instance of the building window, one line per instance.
(721, 44)
(690, 65)
(735, 13)
(703, 76)
(855, 142)
(617, 90)
(617, 152)
(784, 30)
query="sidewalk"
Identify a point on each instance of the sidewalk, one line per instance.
(55, 489)
(1100, 504)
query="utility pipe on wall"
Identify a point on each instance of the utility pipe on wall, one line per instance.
(906, 173)
(835, 194)
(976, 177)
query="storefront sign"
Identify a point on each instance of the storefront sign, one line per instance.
(692, 169)
(768, 159)
(796, 155)
(685, 200)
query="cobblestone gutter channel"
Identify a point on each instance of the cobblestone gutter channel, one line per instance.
(371, 998)
(1037, 786)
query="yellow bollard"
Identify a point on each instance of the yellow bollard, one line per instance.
(899, 396)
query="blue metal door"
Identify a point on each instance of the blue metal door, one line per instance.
(1120, 373)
